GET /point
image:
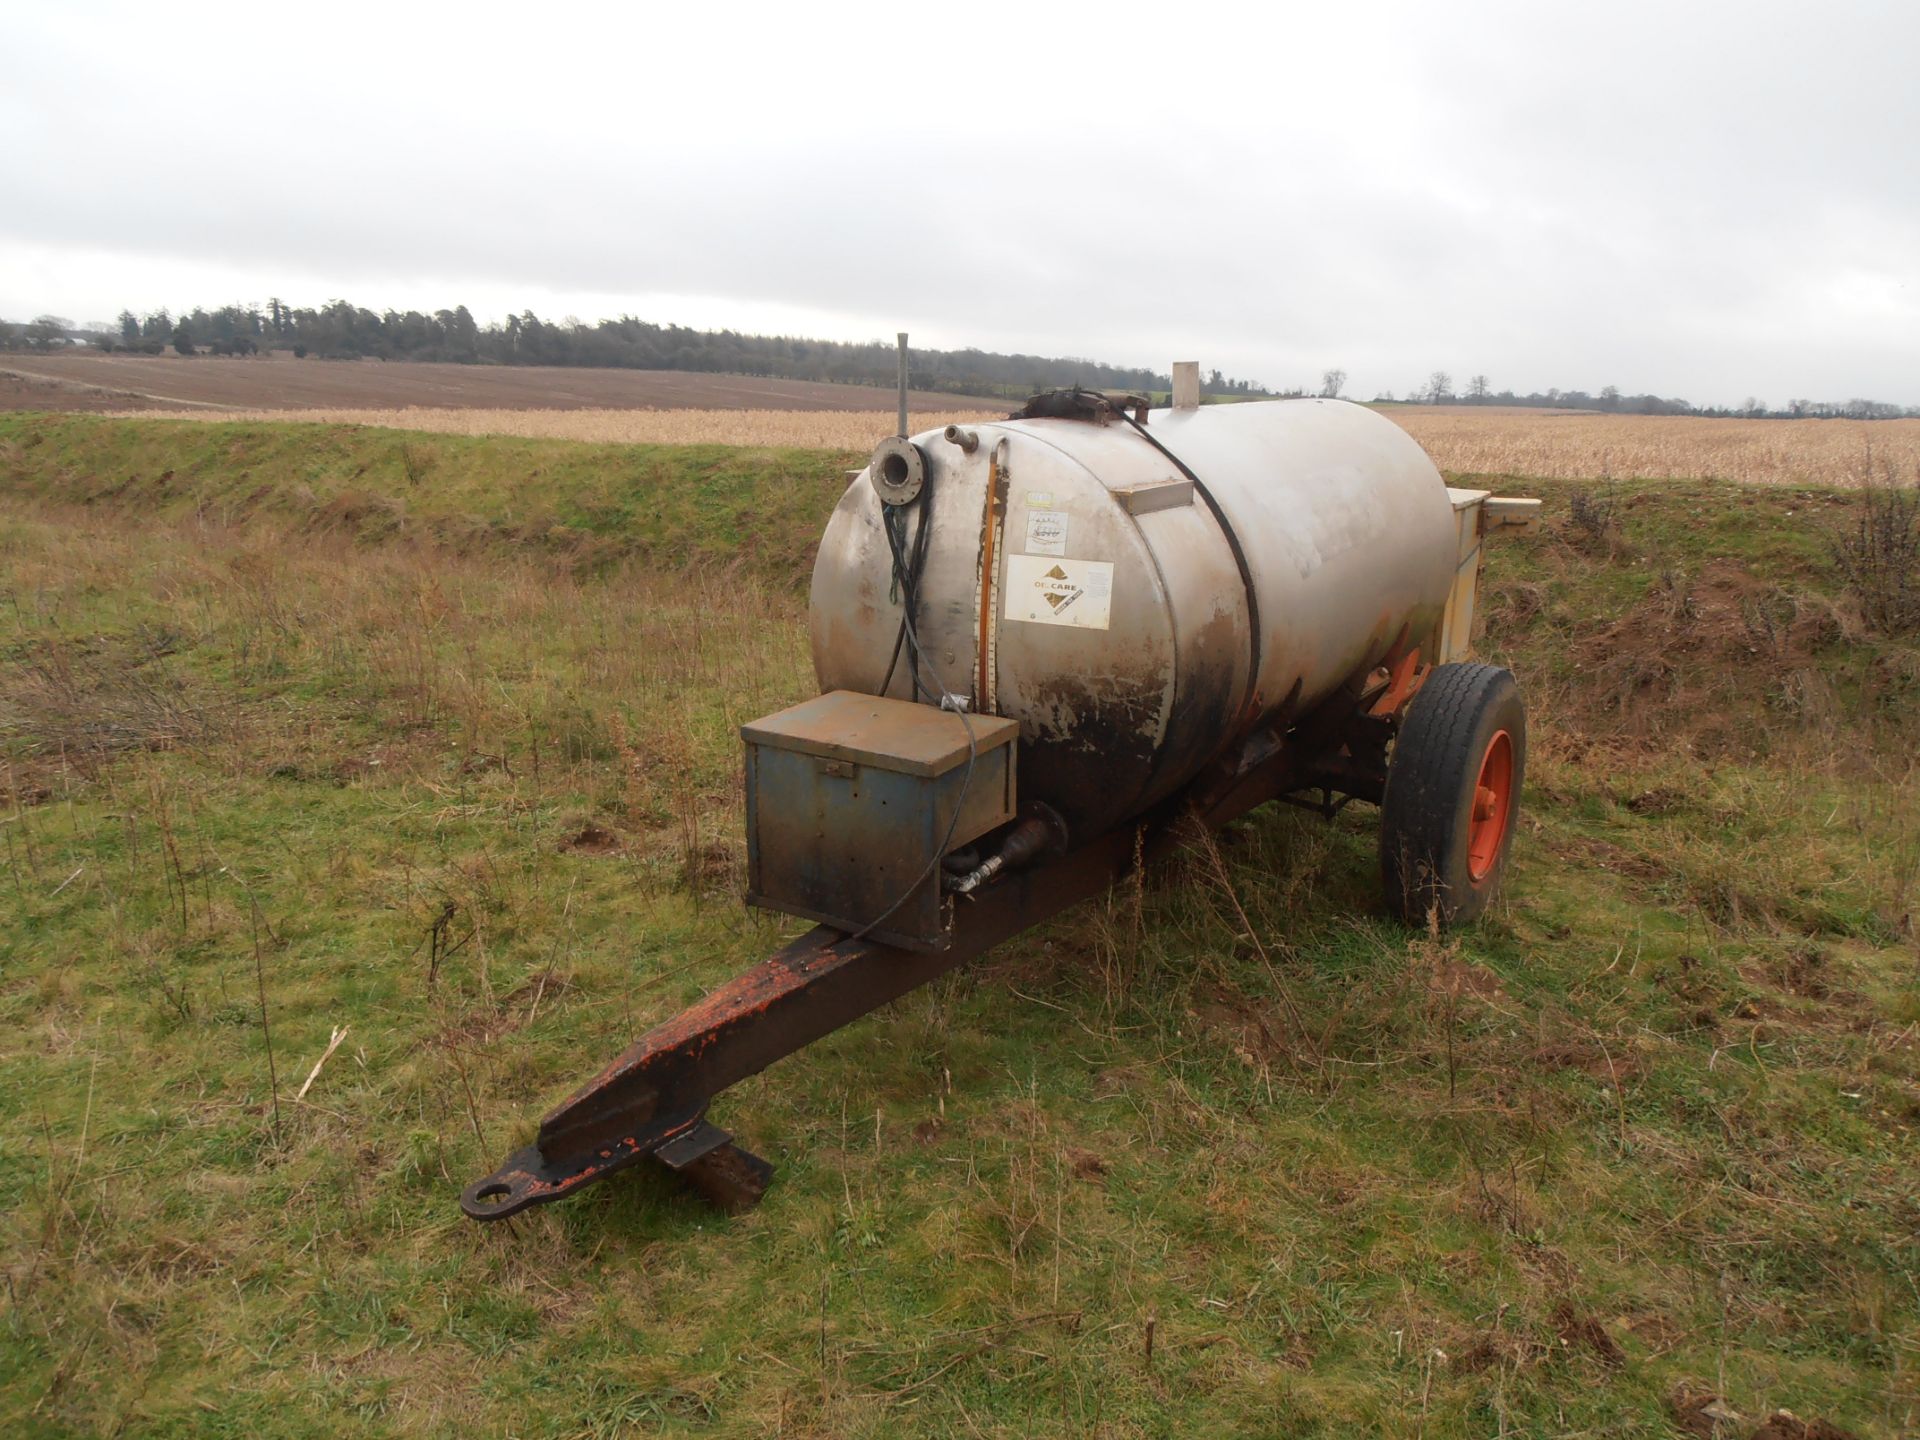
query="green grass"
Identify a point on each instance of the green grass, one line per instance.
(1650, 1122)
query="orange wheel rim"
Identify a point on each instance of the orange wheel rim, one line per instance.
(1492, 807)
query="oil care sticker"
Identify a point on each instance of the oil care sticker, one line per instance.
(1043, 590)
(1046, 532)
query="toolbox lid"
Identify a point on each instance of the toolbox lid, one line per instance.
(895, 735)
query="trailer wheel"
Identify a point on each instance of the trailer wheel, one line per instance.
(1453, 794)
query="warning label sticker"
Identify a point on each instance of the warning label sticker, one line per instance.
(1046, 532)
(1046, 591)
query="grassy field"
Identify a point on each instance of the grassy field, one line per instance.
(1463, 441)
(428, 742)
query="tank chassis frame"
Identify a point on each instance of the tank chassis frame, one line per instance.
(652, 1102)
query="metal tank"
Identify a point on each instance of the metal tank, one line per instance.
(1138, 604)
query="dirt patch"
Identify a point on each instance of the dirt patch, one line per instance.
(1497, 1349)
(1459, 977)
(1696, 1410)
(1588, 1056)
(1785, 1425)
(352, 511)
(1697, 656)
(591, 839)
(1087, 1165)
(23, 792)
(1583, 1332)
(1661, 800)
(1241, 1024)
(1808, 973)
(1592, 853)
(514, 1011)
(1517, 1348)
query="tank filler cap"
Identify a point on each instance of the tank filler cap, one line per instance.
(898, 469)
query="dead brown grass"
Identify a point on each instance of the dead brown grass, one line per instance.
(1563, 446)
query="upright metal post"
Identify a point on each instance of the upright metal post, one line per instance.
(903, 384)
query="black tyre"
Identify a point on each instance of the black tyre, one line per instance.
(1453, 794)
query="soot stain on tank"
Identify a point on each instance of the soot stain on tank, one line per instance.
(1091, 711)
(1091, 745)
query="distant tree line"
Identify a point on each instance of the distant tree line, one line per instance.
(343, 331)
(1439, 390)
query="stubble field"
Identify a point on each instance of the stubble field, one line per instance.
(432, 740)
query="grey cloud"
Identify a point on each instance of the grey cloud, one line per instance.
(1708, 201)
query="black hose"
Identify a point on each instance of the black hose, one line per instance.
(909, 562)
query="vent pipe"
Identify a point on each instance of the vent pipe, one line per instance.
(1186, 384)
(903, 384)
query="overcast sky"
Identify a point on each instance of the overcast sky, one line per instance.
(1702, 200)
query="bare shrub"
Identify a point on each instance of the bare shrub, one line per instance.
(418, 461)
(1879, 560)
(1595, 518)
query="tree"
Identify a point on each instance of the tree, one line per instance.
(44, 331)
(182, 338)
(1477, 388)
(1439, 387)
(1610, 397)
(1332, 383)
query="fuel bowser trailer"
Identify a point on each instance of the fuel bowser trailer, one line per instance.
(1046, 646)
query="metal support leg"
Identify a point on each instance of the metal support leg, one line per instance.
(731, 1178)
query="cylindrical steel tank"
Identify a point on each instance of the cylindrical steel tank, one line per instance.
(1095, 597)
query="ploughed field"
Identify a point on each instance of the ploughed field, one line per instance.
(280, 382)
(429, 742)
